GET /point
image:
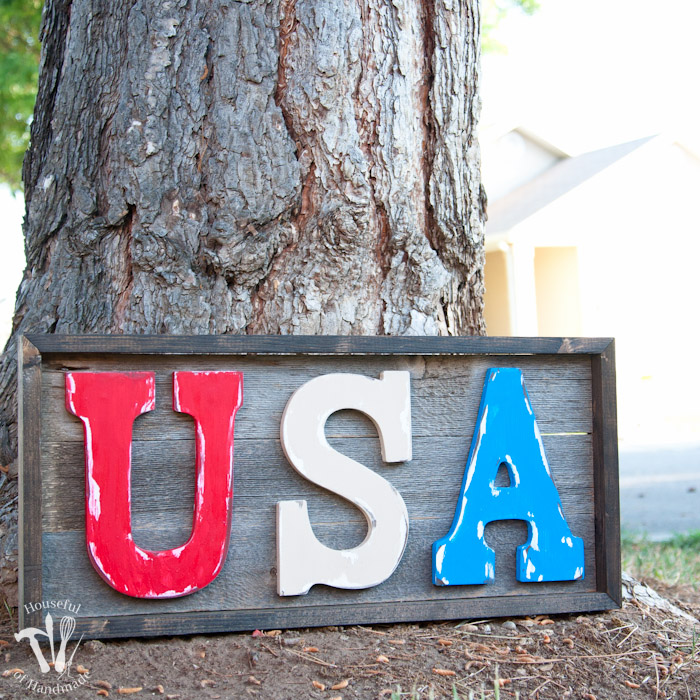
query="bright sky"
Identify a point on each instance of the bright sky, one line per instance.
(585, 74)
(581, 73)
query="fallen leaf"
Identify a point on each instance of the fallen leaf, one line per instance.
(569, 642)
(273, 633)
(337, 697)
(382, 659)
(129, 691)
(546, 639)
(104, 693)
(81, 669)
(311, 650)
(396, 641)
(318, 686)
(444, 672)
(207, 683)
(341, 685)
(589, 696)
(254, 680)
(630, 684)
(503, 682)
(445, 642)
(4, 643)
(103, 684)
(11, 672)
(546, 622)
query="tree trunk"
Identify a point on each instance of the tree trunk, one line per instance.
(269, 166)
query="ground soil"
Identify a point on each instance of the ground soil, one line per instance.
(635, 652)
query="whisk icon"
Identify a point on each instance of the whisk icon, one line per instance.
(66, 628)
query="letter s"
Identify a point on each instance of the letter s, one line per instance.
(302, 560)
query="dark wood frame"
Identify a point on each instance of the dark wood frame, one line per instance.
(605, 464)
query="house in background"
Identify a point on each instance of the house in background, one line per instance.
(602, 244)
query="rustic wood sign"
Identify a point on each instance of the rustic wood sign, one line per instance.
(173, 485)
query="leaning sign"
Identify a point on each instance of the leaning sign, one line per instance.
(175, 485)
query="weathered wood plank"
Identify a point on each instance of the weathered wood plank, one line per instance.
(606, 474)
(163, 477)
(198, 622)
(443, 390)
(248, 580)
(29, 425)
(275, 344)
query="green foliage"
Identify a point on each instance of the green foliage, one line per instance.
(492, 14)
(19, 66)
(673, 562)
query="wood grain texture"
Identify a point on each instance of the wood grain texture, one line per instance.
(606, 473)
(445, 395)
(163, 478)
(145, 344)
(269, 382)
(231, 620)
(30, 480)
(248, 579)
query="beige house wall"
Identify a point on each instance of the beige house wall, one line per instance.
(497, 307)
(558, 291)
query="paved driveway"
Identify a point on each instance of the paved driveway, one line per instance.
(660, 489)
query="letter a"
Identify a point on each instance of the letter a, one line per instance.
(108, 403)
(507, 433)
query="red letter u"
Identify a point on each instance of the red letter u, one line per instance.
(108, 403)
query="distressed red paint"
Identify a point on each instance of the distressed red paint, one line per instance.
(107, 403)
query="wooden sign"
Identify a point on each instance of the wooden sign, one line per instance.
(176, 485)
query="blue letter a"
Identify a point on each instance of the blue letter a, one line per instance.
(507, 433)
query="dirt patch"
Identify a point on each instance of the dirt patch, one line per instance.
(636, 652)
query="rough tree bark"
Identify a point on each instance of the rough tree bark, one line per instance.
(260, 166)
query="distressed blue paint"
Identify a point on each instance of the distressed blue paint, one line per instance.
(507, 433)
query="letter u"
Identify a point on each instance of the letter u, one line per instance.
(108, 403)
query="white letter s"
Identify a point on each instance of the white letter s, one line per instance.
(302, 560)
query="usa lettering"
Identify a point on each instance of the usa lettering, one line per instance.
(506, 433)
